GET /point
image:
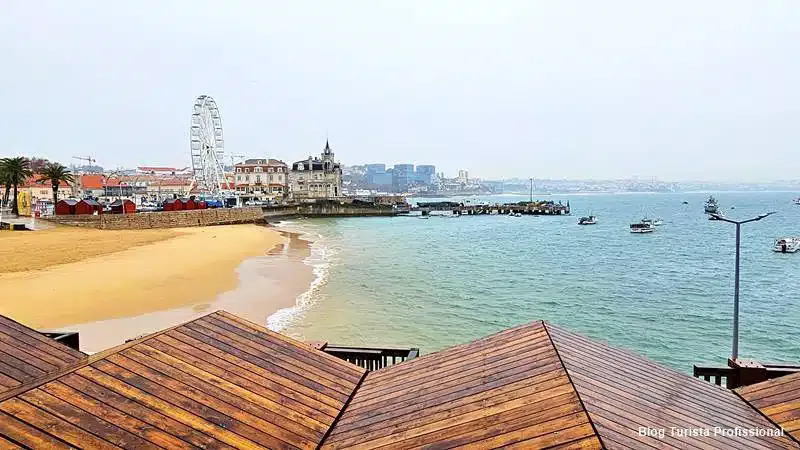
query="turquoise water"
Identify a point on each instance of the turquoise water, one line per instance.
(668, 295)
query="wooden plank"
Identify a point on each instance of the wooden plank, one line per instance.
(205, 418)
(542, 435)
(272, 413)
(752, 390)
(294, 350)
(534, 349)
(473, 386)
(8, 445)
(116, 398)
(7, 382)
(27, 435)
(378, 391)
(24, 333)
(450, 414)
(39, 350)
(84, 420)
(27, 357)
(467, 352)
(22, 367)
(363, 419)
(115, 416)
(414, 428)
(235, 320)
(587, 443)
(239, 385)
(55, 426)
(496, 425)
(294, 364)
(224, 365)
(279, 369)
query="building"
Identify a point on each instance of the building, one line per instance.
(378, 177)
(403, 177)
(316, 178)
(426, 174)
(88, 206)
(65, 207)
(463, 176)
(261, 179)
(163, 171)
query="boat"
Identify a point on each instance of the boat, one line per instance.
(685, 203)
(642, 227)
(518, 215)
(658, 222)
(653, 222)
(591, 220)
(787, 245)
(797, 201)
(711, 206)
(424, 217)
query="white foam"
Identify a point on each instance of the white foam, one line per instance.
(319, 259)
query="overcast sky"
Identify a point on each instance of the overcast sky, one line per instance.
(677, 90)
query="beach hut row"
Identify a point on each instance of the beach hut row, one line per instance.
(88, 206)
(184, 204)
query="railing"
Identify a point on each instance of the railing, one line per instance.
(70, 338)
(735, 377)
(370, 358)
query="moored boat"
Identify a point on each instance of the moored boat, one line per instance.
(787, 245)
(642, 227)
(797, 201)
(590, 220)
(711, 206)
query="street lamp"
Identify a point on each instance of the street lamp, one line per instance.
(735, 350)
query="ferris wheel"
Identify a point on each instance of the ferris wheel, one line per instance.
(207, 146)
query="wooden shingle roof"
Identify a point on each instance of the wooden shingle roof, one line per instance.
(26, 354)
(216, 382)
(778, 399)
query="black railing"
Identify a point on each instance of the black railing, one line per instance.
(371, 358)
(721, 376)
(70, 338)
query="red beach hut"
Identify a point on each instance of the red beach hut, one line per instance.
(188, 203)
(65, 207)
(88, 206)
(123, 207)
(172, 204)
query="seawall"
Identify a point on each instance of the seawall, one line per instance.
(163, 219)
(326, 210)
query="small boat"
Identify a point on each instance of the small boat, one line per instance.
(685, 203)
(658, 222)
(787, 245)
(642, 227)
(797, 201)
(424, 217)
(511, 214)
(711, 206)
(591, 220)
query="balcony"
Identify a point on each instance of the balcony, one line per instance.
(368, 358)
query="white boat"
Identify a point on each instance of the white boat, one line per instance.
(653, 222)
(591, 220)
(514, 214)
(424, 217)
(711, 206)
(797, 201)
(642, 227)
(787, 244)
(658, 222)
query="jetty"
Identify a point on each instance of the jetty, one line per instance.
(535, 208)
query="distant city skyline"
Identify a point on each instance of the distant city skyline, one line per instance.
(578, 90)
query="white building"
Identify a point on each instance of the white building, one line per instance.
(261, 179)
(316, 178)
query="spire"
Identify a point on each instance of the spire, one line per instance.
(327, 146)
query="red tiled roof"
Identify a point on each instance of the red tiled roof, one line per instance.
(92, 181)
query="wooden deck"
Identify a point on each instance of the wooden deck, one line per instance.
(26, 354)
(216, 382)
(506, 391)
(623, 391)
(778, 399)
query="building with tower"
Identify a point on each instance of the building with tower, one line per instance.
(316, 178)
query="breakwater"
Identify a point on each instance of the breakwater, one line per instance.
(162, 219)
(326, 209)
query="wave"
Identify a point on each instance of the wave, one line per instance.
(320, 261)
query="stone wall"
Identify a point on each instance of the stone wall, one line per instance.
(163, 219)
(328, 209)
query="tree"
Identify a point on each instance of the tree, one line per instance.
(5, 184)
(55, 173)
(16, 171)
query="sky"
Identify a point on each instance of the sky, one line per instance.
(674, 90)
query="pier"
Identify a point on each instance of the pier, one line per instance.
(544, 208)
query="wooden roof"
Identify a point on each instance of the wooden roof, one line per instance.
(538, 386)
(623, 391)
(778, 399)
(509, 390)
(222, 382)
(26, 354)
(216, 382)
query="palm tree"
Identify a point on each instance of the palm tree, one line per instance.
(6, 184)
(55, 173)
(16, 171)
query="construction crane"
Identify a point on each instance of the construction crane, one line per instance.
(233, 161)
(88, 159)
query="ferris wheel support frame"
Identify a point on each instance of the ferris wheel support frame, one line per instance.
(207, 148)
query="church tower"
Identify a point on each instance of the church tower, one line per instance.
(327, 157)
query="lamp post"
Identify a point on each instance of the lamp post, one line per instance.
(735, 349)
(531, 200)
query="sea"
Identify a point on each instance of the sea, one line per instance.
(668, 295)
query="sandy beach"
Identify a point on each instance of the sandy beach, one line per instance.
(114, 285)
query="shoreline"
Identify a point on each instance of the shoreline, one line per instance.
(250, 270)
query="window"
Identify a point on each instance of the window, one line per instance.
(270, 169)
(247, 178)
(271, 177)
(257, 169)
(238, 178)
(247, 170)
(238, 170)
(258, 178)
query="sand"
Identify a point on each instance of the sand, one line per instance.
(65, 276)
